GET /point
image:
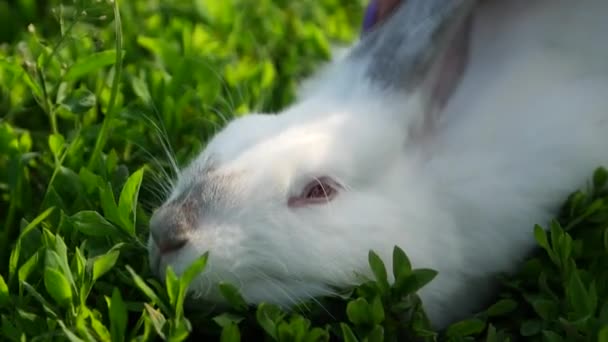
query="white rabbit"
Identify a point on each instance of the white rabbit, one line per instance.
(288, 205)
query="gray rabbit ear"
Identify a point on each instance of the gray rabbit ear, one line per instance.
(422, 46)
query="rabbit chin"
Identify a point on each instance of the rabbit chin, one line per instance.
(255, 285)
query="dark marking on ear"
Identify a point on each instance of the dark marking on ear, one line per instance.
(370, 17)
(443, 79)
(452, 65)
(422, 47)
(377, 11)
(402, 51)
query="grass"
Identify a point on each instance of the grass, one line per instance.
(99, 98)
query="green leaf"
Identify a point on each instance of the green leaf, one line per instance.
(348, 334)
(556, 234)
(118, 316)
(550, 336)
(603, 335)
(79, 101)
(492, 335)
(27, 78)
(90, 63)
(4, 294)
(173, 287)
(102, 264)
(379, 270)
(230, 333)
(62, 253)
(79, 262)
(55, 261)
(140, 88)
(227, 318)
(546, 309)
(215, 11)
(56, 144)
(530, 328)
(29, 266)
(541, 237)
(90, 180)
(9, 330)
(232, 295)
(143, 287)
(69, 334)
(57, 286)
(157, 319)
(579, 297)
(14, 261)
(268, 75)
(401, 263)
(465, 328)
(317, 335)
(91, 223)
(296, 329)
(377, 310)
(179, 330)
(108, 204)
(48, 308)
(35, 222)
(600, 178)
(415, 281)
(194, 269)
(180, 290)
(128, 201)
(502, 307)
(268, 316)
(99, 329)
(358, 311)
(376, 335)
(565, 248)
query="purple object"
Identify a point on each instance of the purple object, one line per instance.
(371, 14)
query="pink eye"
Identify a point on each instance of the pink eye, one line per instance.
(318, 191)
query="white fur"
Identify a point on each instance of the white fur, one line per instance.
(527, 126)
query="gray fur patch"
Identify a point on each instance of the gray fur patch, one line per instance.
(175, 219)
(203, 194)
(402, 51)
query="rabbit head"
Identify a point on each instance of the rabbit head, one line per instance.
(289, 205)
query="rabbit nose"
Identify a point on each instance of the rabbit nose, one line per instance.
(169, 229)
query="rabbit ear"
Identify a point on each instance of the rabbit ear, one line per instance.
(377, 11)
(421, 47)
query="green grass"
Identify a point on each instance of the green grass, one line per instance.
(87, 135)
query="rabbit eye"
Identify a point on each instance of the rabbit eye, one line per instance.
(318, 191)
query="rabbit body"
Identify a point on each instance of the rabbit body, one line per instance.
(526, 126)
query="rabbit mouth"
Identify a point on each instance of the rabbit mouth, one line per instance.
(159, 260)
(255, 284)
